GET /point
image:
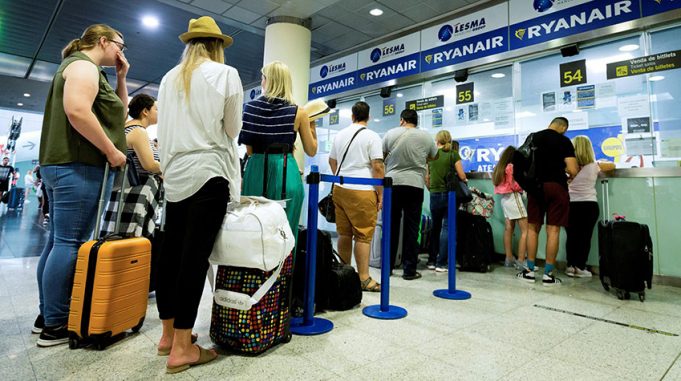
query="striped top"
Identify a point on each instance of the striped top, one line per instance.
(267, 121)
(133, 155)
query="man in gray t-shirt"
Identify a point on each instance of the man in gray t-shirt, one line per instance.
(406, 151)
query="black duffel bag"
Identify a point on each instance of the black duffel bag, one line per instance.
(344, 286)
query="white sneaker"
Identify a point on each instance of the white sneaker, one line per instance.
(579, 273)
(430, 266)
(550, 280)
(570, 271)
(441, 269)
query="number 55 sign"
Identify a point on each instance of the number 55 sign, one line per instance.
(465, 93)
(573, 73)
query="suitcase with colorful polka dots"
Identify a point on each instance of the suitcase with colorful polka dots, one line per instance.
(266, 323)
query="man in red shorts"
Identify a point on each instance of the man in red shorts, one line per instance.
(554, 162)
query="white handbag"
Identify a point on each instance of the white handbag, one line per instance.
(255, 234)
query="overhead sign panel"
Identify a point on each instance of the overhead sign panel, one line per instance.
(252, 94)
(394, 59)
(653, 7)
(465, 38)
(536, 21)
(644, 65)
(333, 77)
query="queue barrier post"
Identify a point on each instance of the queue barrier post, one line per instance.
(310, 325)
(451, 292)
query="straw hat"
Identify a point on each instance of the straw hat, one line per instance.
(205, 26)
(316, 109)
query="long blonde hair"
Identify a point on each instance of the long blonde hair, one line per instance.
(584, 150)
(90, 38)
(278, 82)
(445, 139)
(195, 53)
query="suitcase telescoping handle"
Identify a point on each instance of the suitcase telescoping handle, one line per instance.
(102, 199)
(284, 149)
(605, 188)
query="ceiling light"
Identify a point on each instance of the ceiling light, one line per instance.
(20, 104)
(376, 12)
(629, 48)
(27, 95)
(377, 120)
(400, 95)
(498, 75)
(150, 21)
(656, 78)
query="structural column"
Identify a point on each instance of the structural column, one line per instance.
(288, 39)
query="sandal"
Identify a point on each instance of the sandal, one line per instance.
(166, 351)
(375, 288)
(205, 356)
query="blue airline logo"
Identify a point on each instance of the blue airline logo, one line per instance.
(375, 55)
(255, 93)
(324, 71)
(445, 33)
(578, 19)
(542, 5)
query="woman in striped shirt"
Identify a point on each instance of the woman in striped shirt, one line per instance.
(271, 123)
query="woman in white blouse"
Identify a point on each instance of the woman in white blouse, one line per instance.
(199, 121)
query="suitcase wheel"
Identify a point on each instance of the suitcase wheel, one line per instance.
(137, 328)
(74, 342)
(287, 338)
(605, 282)
(100, 345)
(620, 294)
(642, 297)
(627, 295)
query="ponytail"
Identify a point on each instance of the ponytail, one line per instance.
(72, 47)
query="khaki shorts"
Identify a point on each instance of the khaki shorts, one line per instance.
(356, 213)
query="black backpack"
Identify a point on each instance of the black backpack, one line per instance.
(524, 167)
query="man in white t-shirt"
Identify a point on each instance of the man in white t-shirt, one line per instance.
(357, 152)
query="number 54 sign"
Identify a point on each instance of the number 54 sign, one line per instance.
(573, 73)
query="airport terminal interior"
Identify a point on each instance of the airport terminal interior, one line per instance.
(489, 73)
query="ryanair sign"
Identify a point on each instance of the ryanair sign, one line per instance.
(653, 7)
(560, 18)
(465, 38)
(333, 77)
(394, 59)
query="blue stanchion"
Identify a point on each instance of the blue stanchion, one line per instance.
(385, 310)
(310, 325)
(451, 292)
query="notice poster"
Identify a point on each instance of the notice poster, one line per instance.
(638, 125)
(473, 113)
(461, 113)
(548, 101)
(503, 113)
(586, 96)
(437, 118)
(633, 107)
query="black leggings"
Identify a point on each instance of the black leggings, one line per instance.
(583, 218)
(407, 200)
(191, 228)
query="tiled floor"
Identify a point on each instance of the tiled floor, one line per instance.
(499, 334)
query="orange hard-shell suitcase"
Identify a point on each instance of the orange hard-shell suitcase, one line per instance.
(111, 285)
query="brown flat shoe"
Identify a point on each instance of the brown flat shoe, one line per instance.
(166, 351)
(205, 356)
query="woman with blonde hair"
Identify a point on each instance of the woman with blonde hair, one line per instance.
(448, 160)
(583, 207)
(82, 131)
(271, 124)
(199, 121)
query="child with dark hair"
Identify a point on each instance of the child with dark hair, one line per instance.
(514, 208)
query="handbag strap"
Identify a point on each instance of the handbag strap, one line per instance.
(346, 151)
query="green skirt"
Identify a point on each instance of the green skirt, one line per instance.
(295, 194)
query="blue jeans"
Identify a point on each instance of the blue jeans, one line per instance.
(439, 238)
(73, 190)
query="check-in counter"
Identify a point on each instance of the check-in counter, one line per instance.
(651, 196)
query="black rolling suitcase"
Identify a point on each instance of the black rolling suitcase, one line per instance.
(324, 257)
(625, 253)
(474, 242)
(268, 322)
